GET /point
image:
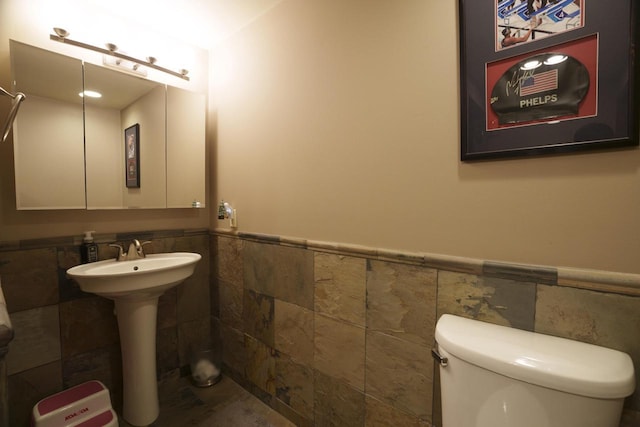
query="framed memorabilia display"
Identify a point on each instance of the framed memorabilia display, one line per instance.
(547, 76)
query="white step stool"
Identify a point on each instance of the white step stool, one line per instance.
(87, 405)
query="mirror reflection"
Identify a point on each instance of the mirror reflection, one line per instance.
(124, 101)
(48, 132)
(185, 146)
(63, 162)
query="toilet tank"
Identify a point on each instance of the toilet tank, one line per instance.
(495, 376)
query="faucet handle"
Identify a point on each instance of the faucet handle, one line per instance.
(139, 247)
(121, 255)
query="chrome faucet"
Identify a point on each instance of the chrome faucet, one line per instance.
(135, 251)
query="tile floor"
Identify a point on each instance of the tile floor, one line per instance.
(225, 404)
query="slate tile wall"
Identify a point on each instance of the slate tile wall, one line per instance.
(64, 336)
(327, 334)
(341, 335)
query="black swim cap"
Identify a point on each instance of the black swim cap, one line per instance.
(546, 91)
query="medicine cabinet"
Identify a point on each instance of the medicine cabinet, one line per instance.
(69, 148)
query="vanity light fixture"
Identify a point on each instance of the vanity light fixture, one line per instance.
(61, 35)
(124, 65)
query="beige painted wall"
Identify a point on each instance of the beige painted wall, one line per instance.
(31, 22)
(339, 121)
(39, 183)
(105, 154)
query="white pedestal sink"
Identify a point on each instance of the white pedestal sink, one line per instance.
(135, 287)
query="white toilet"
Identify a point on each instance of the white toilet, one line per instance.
(495, 376)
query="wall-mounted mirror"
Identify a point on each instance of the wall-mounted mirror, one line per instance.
(124, 102)
(185, 146)
(170, 137)
(49, 158)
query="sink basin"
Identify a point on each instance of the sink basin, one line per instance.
(153, 274)
(135, 287)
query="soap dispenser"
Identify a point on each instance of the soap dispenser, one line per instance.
(89, 249)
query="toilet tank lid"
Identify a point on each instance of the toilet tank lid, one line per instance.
(557, 363)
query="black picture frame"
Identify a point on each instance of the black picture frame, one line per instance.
(604, 36)
(132, 156)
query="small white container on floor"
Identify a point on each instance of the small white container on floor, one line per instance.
(205, 371)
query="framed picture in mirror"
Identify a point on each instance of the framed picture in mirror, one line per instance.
(132, 156)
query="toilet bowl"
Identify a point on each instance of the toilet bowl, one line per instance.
(495, 376)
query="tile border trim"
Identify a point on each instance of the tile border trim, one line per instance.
(594, 280)
(76, 240)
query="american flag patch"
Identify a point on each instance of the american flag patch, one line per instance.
(540, 82)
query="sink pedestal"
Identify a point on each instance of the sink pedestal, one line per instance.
(135, 286)
(137, 325)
